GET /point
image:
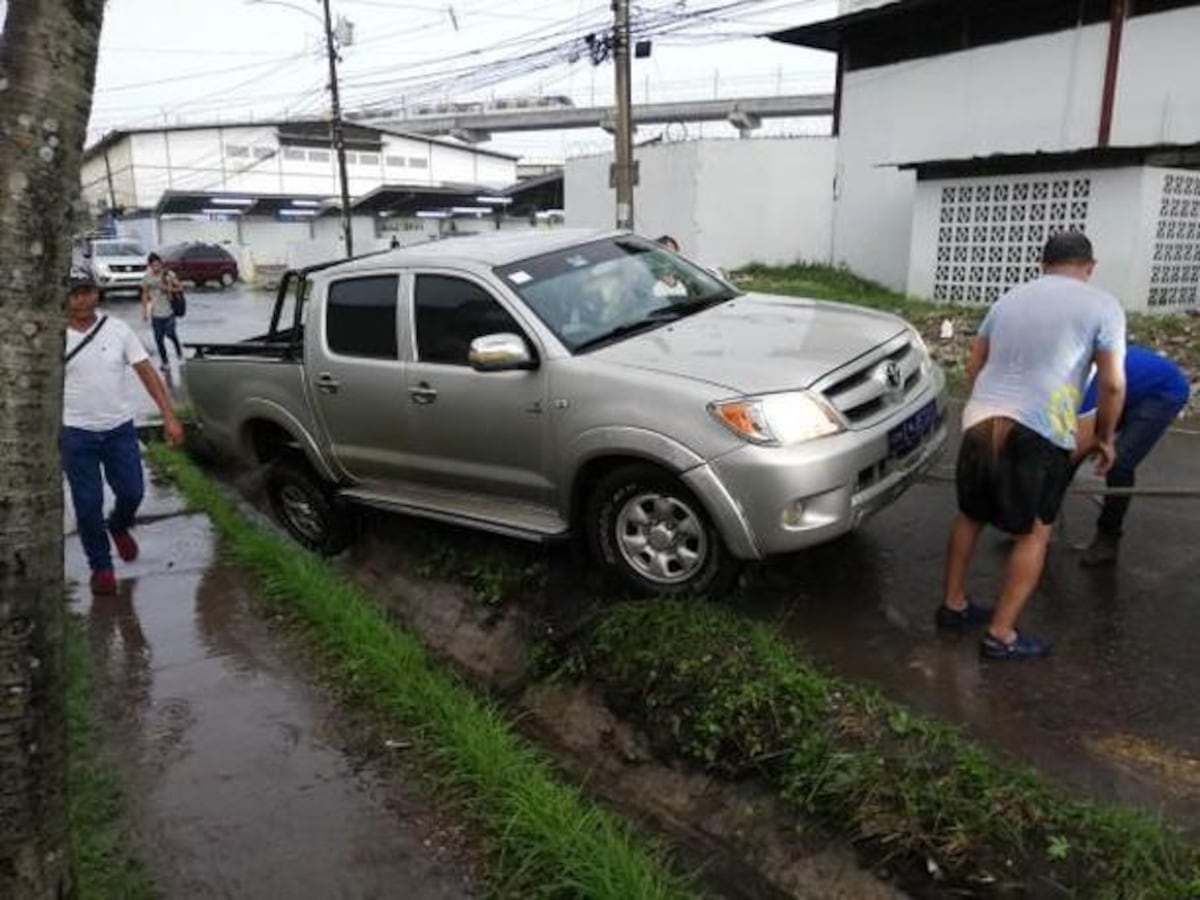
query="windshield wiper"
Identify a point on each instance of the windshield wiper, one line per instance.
(656, 317)
(653, 320)
(687, 307)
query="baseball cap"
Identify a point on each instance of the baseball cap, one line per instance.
(79, 280)
(1067, 246)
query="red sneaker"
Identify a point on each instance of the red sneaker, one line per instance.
(127, 547)
(104, 582)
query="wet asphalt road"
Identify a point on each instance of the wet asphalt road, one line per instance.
(1113, 712)
(236, 780)
(212, 315)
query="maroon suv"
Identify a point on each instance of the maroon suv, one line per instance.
(200, 263)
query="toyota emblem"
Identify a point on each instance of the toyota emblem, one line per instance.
(892, 376)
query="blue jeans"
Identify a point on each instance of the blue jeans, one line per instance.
(164, 327)
(1142, 424)
(83, 454)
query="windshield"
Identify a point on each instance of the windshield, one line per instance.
(610, 288)
(117, 248)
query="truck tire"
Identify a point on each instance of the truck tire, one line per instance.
(304, 505)
(652, 536)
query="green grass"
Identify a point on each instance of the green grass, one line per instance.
(492, 572)
(736, 699)
(823, 282)
(549, 841)
(103, 868)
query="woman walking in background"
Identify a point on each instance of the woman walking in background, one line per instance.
(157, 287)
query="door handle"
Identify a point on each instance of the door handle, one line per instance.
(422, 394)
(327, 383)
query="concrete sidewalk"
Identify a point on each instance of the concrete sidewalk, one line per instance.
(238, 780)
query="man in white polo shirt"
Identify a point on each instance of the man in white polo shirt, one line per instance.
(98, 434)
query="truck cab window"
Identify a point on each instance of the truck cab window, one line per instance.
(360, 317)
(452, 312)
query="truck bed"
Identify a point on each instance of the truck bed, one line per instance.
(283, 344)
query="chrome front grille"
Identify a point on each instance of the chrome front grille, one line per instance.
(862, 392)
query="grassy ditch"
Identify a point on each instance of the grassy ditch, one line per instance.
(102, 867)
(548, 840)
(730, 695)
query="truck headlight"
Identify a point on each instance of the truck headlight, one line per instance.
(777, 419)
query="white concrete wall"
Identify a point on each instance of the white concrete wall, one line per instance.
(205, 160)
(211, 231)
(588, 201)
(1158, 83)
(728, 203)
(768, 200)
(1120, 221)
(268, 240)
(1035, 94)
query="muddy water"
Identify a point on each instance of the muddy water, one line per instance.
(239, 783)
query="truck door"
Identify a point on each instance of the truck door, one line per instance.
(475, 431)
(356, 377)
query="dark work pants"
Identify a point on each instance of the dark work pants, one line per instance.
(1141, 427)
(84, 454)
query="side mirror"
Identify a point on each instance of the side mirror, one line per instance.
(500, 353)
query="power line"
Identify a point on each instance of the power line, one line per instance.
(143, 84)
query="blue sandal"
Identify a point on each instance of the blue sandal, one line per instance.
(1023, 646)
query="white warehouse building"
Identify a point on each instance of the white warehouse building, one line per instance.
(273, 186)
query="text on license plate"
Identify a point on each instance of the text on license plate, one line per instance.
(906, 436)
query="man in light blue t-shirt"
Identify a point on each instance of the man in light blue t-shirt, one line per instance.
(1027, 369)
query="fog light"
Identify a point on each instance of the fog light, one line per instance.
(793, 516)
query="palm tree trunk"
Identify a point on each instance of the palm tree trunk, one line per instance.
(47, 67)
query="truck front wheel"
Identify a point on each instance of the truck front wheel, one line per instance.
(655, 537)
(308, 508)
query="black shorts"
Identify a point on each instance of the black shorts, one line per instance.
(1009, 476)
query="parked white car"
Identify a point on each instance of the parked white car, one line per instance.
(117, 264)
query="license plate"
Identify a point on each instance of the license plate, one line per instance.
(909, 434)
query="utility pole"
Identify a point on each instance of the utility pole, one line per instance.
(112, 193)
(623, 134)
(338, 136)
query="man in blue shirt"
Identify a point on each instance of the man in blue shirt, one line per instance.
(1028, 367)
(1155, 392)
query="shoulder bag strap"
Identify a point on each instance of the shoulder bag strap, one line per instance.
(88, 338)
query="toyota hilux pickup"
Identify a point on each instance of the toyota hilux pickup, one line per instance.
(550, 384)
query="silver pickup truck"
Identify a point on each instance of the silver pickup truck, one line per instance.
(545, 384)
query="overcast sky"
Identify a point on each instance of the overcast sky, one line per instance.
(205, 60)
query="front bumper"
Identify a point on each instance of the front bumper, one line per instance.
(771, 500)
(119, 281)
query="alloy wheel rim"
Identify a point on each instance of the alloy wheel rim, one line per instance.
(300, 512)
(661, 538)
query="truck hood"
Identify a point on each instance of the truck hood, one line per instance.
(758, 343)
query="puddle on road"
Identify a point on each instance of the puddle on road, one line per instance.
(237, 783)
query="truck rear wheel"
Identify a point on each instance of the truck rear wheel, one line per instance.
(304, 505)
(652, 535)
